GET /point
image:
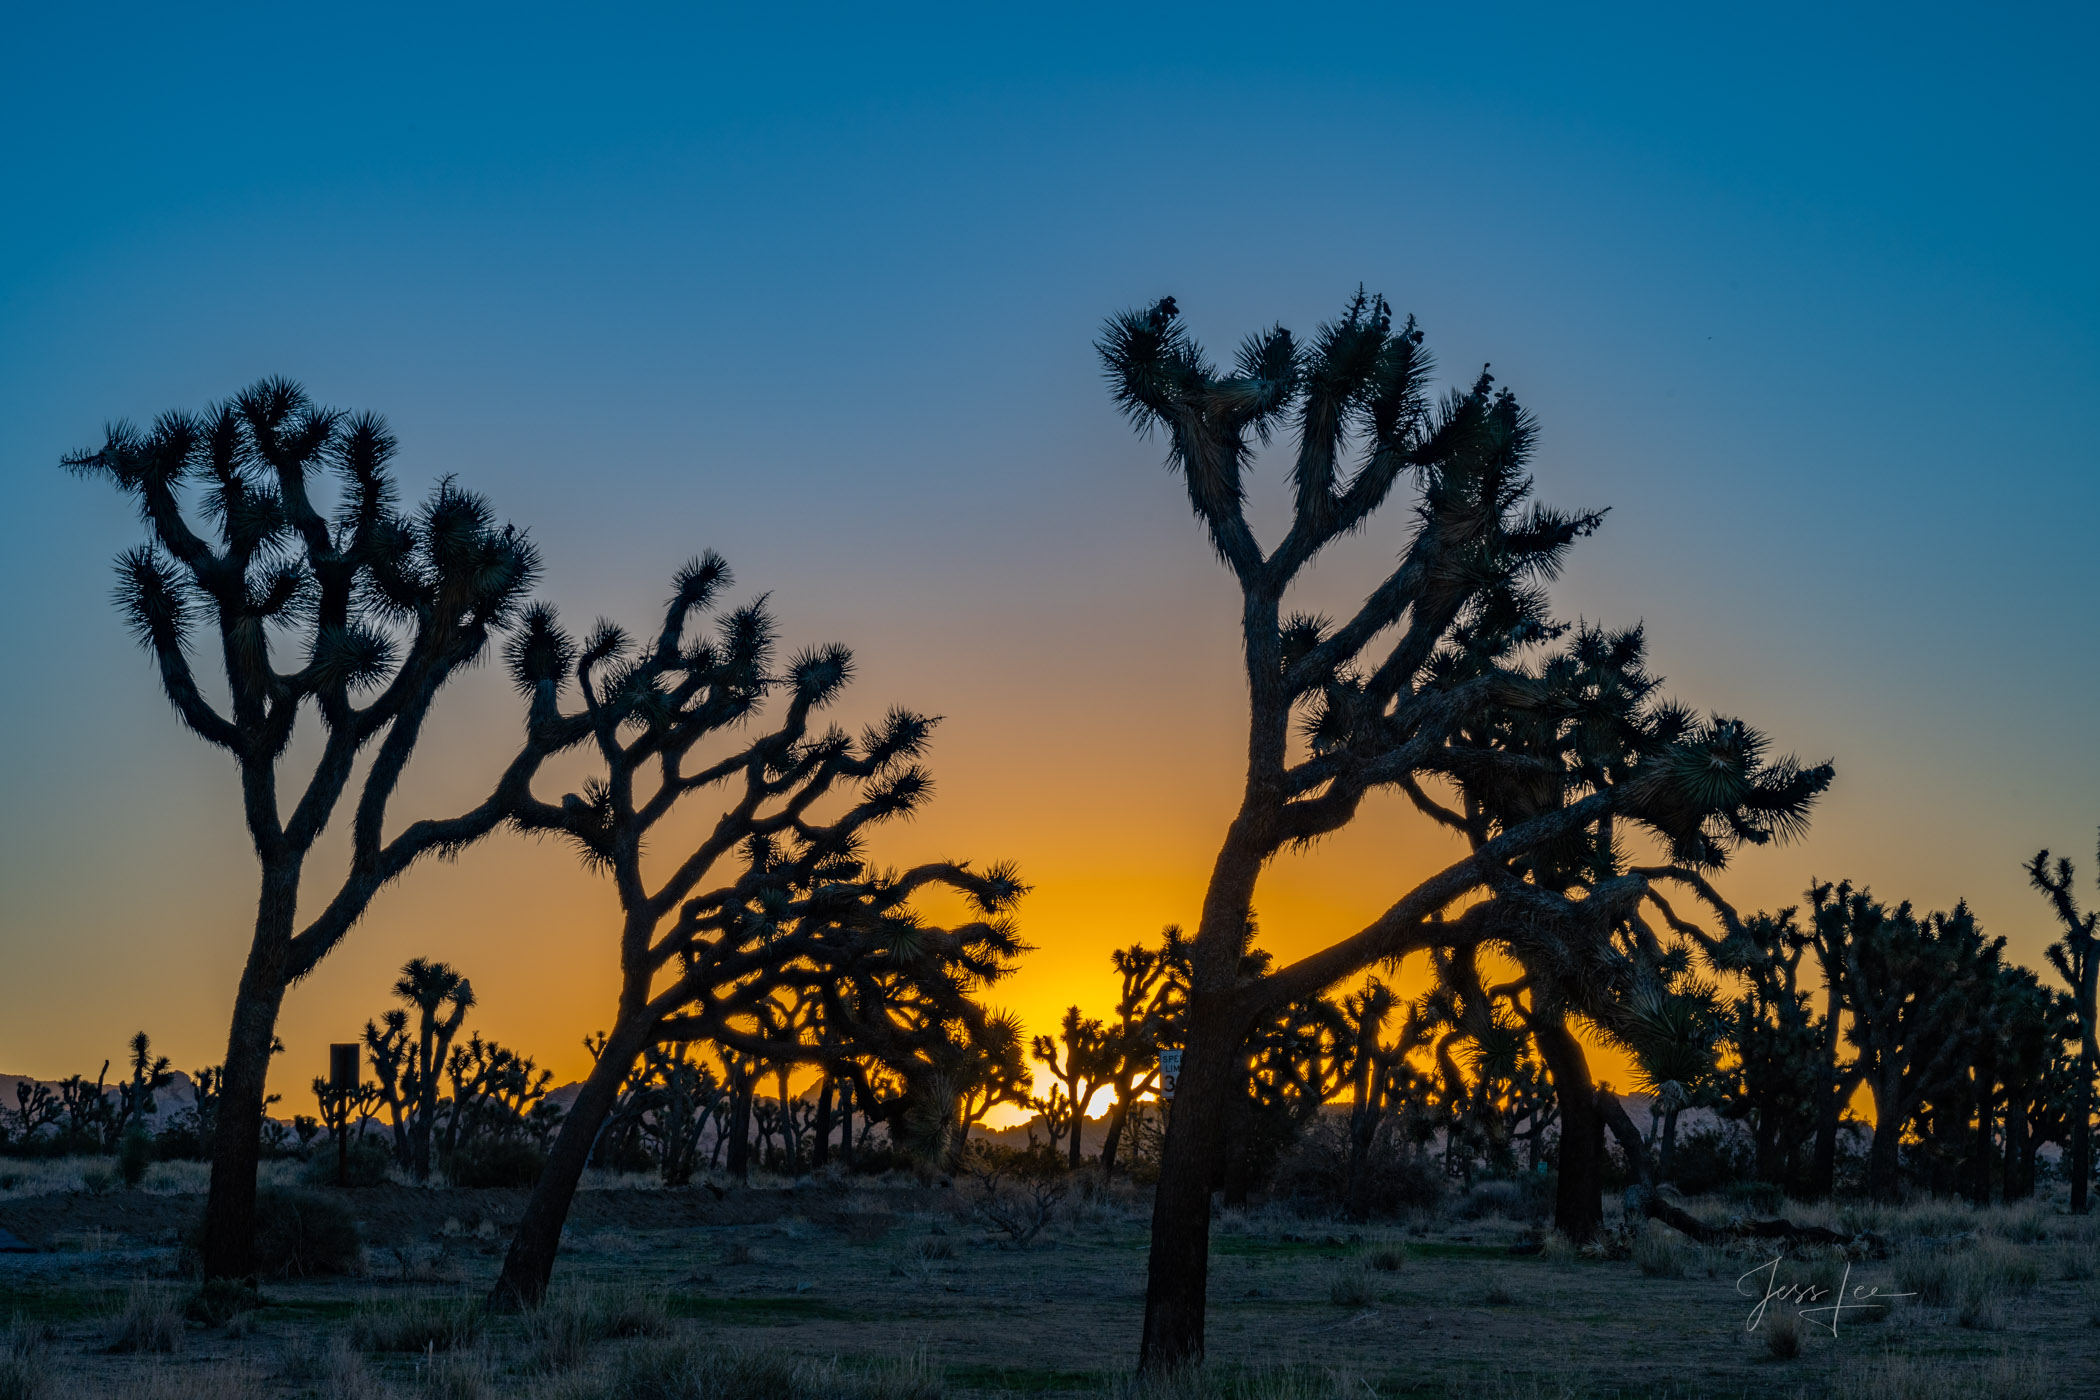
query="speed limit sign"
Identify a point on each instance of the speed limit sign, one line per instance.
(1169, 1072)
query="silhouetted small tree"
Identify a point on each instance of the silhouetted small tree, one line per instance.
(377, 609)
(2076, 958)
(1082, 1060)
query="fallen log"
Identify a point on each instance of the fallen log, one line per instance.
(1644, 1196)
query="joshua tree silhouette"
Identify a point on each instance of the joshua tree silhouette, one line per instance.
(1911, 984)
(409, 1065)
(379, 610)
(2076, 958)
(772, 901)
(1393, 697)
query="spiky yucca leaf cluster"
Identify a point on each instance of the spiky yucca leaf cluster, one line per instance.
(373, 596)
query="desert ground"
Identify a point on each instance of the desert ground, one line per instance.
(889, 1287)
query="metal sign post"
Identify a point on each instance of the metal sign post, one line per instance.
(344, 1076)
(1169, 1073)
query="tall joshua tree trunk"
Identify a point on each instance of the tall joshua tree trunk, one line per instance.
(1180, 1258)
(1578, 1201)
(236, 1147)
(1986, 1079)
(538, 1237)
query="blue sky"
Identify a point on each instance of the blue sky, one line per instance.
(1806, 296)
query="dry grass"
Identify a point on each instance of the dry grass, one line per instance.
(1293, 1317)
(1895, 1376)
(560, 1333)
(149, 1321)
(1351, 1285)
(686, 1369)
(1782, 1333)
(24, 1368)
(1316, 1383)
(35, 1176)
(1661, 1252)
(425, 1324)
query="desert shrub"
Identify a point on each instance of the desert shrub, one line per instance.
(1314, 1171)
(1388, 1258)
(627, 1310)
(1499, 1292)
(2026, 1226)
(1019, 1190)
(367, 1162)
(98, 1181)
(1659, 1252)
(303, 1234)
(558, 1333)
(1351, 1286)
(472, 1374)
(134, 1156)
(1556, 1248)
(1709, 1158)
(1499, 1197)
(149, 1321)
(1982, 1310)
(25, 1373)
(506, 1163)
(1997, 1269)
(689, 1370)
(220, 1301)
(1782, 1334)
(1927, 1273)
(428, 1324)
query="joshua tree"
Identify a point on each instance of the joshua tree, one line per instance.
(1081, 1058)
(988, 1071)
(430, 988)
(149, 1072)
(2076, 958)
(1153, 982)
(1912, 984)
(1671, 1022)
(378, 610)
(408, 1065)
(772, 900)
(1381, 709)
(495, 1091)
(1829, 935)
(1781, 1072)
